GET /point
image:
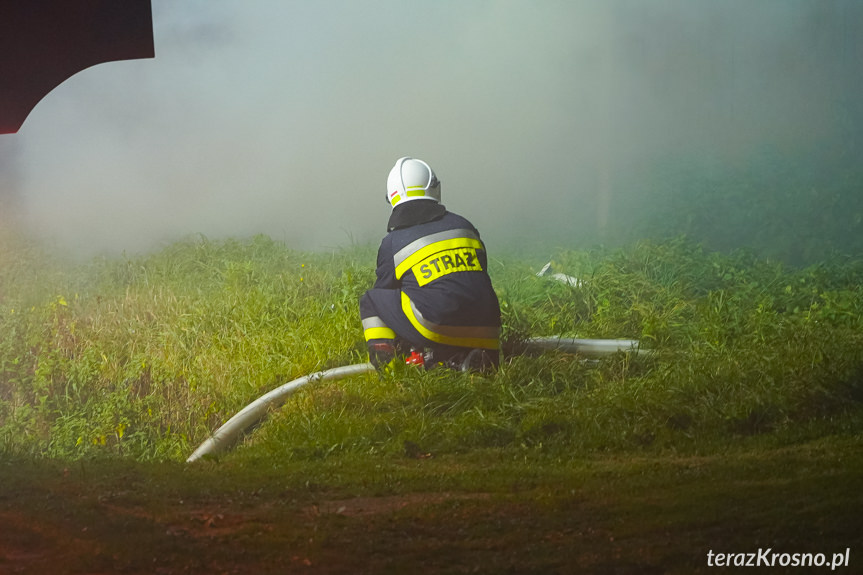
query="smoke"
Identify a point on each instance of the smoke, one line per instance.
(9, 184)
(544, 121)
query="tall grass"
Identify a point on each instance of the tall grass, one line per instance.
(145, 356)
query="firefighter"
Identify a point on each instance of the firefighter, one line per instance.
(432, 295)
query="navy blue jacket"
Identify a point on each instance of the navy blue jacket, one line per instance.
(438, 261)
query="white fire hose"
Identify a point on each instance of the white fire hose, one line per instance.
(225, 436)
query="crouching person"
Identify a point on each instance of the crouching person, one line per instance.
(432, 295)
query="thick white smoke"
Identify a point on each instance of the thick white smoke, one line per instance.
(541, 119)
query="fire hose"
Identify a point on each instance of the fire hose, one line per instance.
(226, 435)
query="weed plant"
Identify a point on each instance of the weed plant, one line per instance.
(144, 356)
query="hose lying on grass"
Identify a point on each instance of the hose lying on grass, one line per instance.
(225, 436)
(588, 347)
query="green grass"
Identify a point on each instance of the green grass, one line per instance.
(741, 431)
(145, 356)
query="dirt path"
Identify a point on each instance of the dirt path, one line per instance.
(221, 536)
(609, 516)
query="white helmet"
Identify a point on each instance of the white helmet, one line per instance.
(412, 179)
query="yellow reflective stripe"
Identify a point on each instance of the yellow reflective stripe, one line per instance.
(375, 328)
(379, 333)
(404, 253)
(429, 250)
(459, 336)
(415, 193)
(446, 262)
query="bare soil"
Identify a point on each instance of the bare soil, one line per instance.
(611, 516)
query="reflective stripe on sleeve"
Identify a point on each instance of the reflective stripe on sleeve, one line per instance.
(461, 336)
(375, 328)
